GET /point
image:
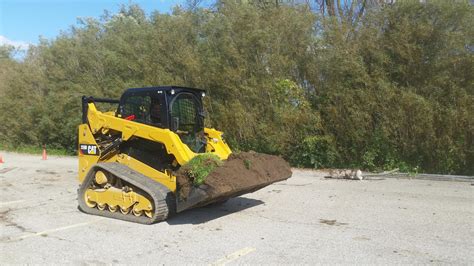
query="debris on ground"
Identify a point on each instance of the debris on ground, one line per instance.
(356, 174)
(352, 174)
(395, 173)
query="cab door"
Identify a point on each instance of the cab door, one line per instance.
(185, 110)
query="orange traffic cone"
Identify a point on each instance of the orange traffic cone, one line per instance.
(1, 159)
(45, 156)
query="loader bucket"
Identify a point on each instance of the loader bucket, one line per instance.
(241, 173)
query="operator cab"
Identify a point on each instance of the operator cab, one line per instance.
(179, 109)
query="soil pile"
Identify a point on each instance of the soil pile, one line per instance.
(241, 173)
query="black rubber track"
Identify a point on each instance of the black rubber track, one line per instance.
(163, 199)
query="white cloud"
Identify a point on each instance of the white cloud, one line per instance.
(18, 44)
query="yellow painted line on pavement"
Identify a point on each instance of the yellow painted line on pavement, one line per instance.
(233, 256)
(11, 202)
(45, 232)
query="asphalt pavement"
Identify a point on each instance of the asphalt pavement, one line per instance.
(305, 220)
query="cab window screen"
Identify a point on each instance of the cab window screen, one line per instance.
(139, 106)
(185, 110)
(184, 114)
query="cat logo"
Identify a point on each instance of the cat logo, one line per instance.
(89, 149)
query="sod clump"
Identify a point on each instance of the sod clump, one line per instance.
(199, 167)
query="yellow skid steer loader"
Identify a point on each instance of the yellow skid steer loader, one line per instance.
(128, 157)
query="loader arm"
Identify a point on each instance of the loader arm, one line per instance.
(98, 122)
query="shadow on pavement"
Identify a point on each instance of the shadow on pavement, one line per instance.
(208, 213)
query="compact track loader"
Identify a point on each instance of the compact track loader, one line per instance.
(128, 157)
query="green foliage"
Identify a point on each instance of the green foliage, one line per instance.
(390, 87)
(316, 151)
(199, 167)
(248, 164)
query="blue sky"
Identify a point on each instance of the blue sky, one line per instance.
(23, 21)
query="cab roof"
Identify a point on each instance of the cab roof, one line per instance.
(163, 88)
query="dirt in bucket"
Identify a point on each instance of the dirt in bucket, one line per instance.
(241, 172)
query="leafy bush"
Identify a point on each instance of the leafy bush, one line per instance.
(317, 152)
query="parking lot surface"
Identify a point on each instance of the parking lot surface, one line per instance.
(305, 220)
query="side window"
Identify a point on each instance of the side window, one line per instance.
(184, 112)
(155, 113)
(139, 107)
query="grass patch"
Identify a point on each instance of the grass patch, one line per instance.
(33, 149)
(247, 164)
(199, 167)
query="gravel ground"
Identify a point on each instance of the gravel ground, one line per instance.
(304, 220)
